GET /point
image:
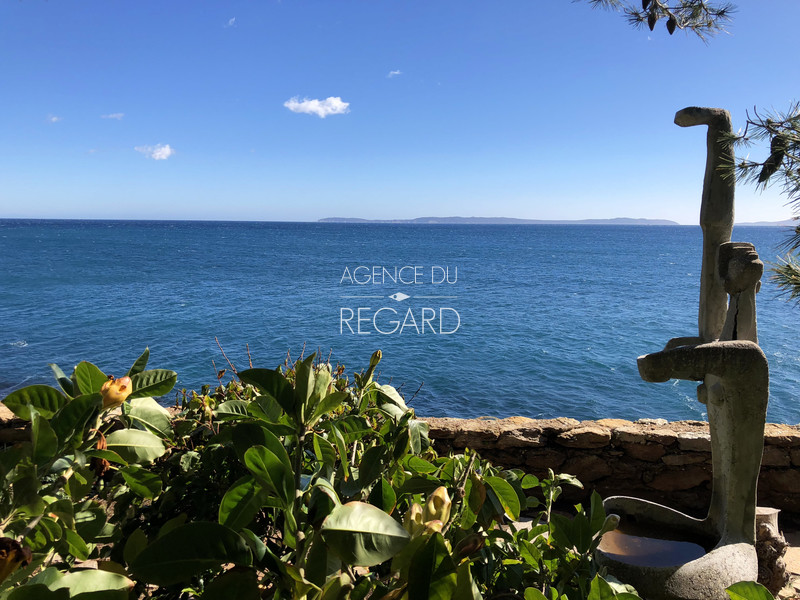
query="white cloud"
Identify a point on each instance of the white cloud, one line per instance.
(231, 22)
(321, 108)
(157, 152)
(394, 73)
(53, 119)
(117, 116)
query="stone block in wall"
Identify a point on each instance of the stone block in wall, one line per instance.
(694, 441)
(545, 458)
(781, 481)
(680, 460)
(610, 423)
(785, 436)
(648, 452)
(520, 432)
(556, 426)
(683, 479)
(587, 467)
(775, 456)
(794, 454)
(585, 437)
(640, 434)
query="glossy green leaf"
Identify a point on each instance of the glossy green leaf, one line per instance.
(108, 455)
(363, 535)
(303, 382)
(241, 503)
(155, 382)
(273, 384)
(324, 451)
(140, 364)
(136, 542)
(147, 414)
(135, 446)
(238, 583)
(70, 422)
(322, 502)
(142, 482)
(418, 465)
(188, 551)
(43, 439)
(64, 510)
(506, 495)
(265, 408)
(45, 399)
(383, 496)
(328, 404)
(341, 446)
(75, 545)
(534, 594)
(173, 523)
(272, 472)
(597, 514)
(466, 588)
(232, 409)
(748, 590)
(433, 573)
(90, 519)
(417, 435)
(112, 585)
(529, 481)
(63, 381)
(89, 378)
(37, 591)
(373, 463)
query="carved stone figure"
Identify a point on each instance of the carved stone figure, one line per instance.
(726, 358)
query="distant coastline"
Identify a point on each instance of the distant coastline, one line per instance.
(513, 221)
(500, 221)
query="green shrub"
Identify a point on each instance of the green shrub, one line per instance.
(285, 483)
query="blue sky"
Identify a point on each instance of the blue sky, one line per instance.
(519, 108)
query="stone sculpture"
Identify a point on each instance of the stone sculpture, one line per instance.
(726, 358)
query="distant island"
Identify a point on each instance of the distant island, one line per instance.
(512, 221)
(499, 221)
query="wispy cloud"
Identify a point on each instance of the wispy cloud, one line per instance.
(231, 23)
(321, 108)
(157, 152)
(394, 73)
(117, 116)
(53, 119)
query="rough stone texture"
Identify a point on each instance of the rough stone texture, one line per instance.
(627, 467)
(649, 452)
(677, 460)
(784, 436)
(585, 436)
(593, 466)
(642, 433)
(684, 479)
(775, 457)
(696, 441)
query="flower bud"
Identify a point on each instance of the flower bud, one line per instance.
(412, 521)
(115, 392)
(438, 506)
(434, 526)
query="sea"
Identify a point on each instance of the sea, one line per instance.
(472, 320)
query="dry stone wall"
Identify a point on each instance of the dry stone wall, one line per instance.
(666, 462)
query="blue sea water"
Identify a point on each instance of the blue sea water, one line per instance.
(546, 320)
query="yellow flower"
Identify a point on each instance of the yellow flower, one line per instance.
(438, 506)
(115, 392)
